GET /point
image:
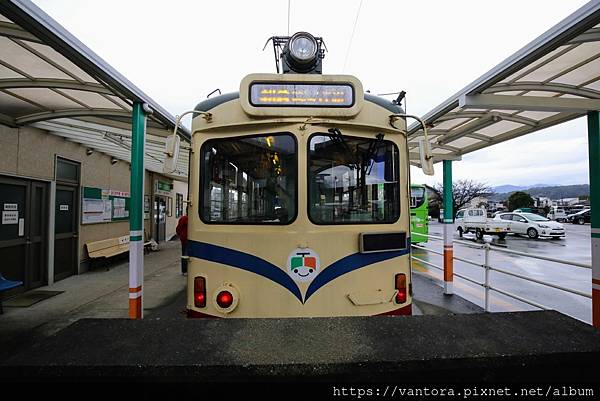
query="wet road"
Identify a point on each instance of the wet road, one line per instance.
(575, 247)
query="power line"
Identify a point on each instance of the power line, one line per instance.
(352, 36)
(289, 1)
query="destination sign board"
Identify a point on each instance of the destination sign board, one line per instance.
(290, 94)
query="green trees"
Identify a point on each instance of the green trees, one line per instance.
(518, 200)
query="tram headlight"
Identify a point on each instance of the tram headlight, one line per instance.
(301, 53)
(303, 47)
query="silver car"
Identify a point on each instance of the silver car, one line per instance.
(533, 225)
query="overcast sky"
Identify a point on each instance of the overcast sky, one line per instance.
(180, 51)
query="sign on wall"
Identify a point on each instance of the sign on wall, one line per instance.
(10, 217)
(104, 205)
(162, 188)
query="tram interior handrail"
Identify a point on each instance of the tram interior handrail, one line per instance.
(487, 267)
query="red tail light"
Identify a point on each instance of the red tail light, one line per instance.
(224, 299)
(199, 292)
(401, 287)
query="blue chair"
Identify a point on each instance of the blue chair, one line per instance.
(6, 285)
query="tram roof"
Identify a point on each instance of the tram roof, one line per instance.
(553, 79)
(50, 80)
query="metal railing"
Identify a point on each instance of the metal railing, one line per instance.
(488, 268)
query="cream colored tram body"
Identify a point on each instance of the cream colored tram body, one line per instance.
(299, 201)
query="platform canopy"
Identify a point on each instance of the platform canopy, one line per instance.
(553, 79)
(50, 80)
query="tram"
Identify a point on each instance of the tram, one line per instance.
(299, 196)
(419, 214)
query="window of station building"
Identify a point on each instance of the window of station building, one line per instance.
(249, 180)
(67, 170)
(352, 180)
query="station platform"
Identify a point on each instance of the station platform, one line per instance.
(84, 336)
(542, 346)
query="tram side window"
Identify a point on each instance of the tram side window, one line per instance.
(353, 180)
(249, 180)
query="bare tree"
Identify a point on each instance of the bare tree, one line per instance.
(463, 192)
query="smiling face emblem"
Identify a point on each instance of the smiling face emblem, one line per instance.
(303, 264)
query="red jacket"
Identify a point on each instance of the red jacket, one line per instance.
(182, 230)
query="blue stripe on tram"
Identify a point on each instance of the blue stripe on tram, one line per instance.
(244, 261)
(254, 264)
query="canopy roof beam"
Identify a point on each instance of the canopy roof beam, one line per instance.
(529, 103)
(517, 132)
(32, 118)
(481, 137)
(562, 89)
(592, 35)
(469, 128)
(7, 120)
(10, 30)
(98, 142)
(54, 84)
(414, 157)
(86, 127)
(475, 115)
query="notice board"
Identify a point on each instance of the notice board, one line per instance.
(104, 205)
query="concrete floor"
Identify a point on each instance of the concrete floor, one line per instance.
(95, 294)
(575, 247)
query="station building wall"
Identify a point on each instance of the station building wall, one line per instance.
(29, 154)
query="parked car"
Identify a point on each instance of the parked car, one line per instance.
(532, 225)
(476, 220)
(580, 217)
(557, 214)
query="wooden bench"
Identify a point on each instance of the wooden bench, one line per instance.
(107, 248)
(6, 285)
(110, 247)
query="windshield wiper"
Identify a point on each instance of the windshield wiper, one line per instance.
(373, 148)
(336, 136)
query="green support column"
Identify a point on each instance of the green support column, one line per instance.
(136, 213)
(448, 229)
(593, 119)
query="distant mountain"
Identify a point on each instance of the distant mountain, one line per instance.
(502, 192)
(563, 191)
(503, 189)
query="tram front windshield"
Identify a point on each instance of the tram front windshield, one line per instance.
(249, 180)
(417, 196)
(352, 180)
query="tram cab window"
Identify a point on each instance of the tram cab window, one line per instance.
(249, 180)
(352, 180)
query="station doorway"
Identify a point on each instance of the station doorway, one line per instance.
(24, 232)
(66, 219)
(160, 218)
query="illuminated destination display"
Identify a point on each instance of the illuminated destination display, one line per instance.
(301, 95)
